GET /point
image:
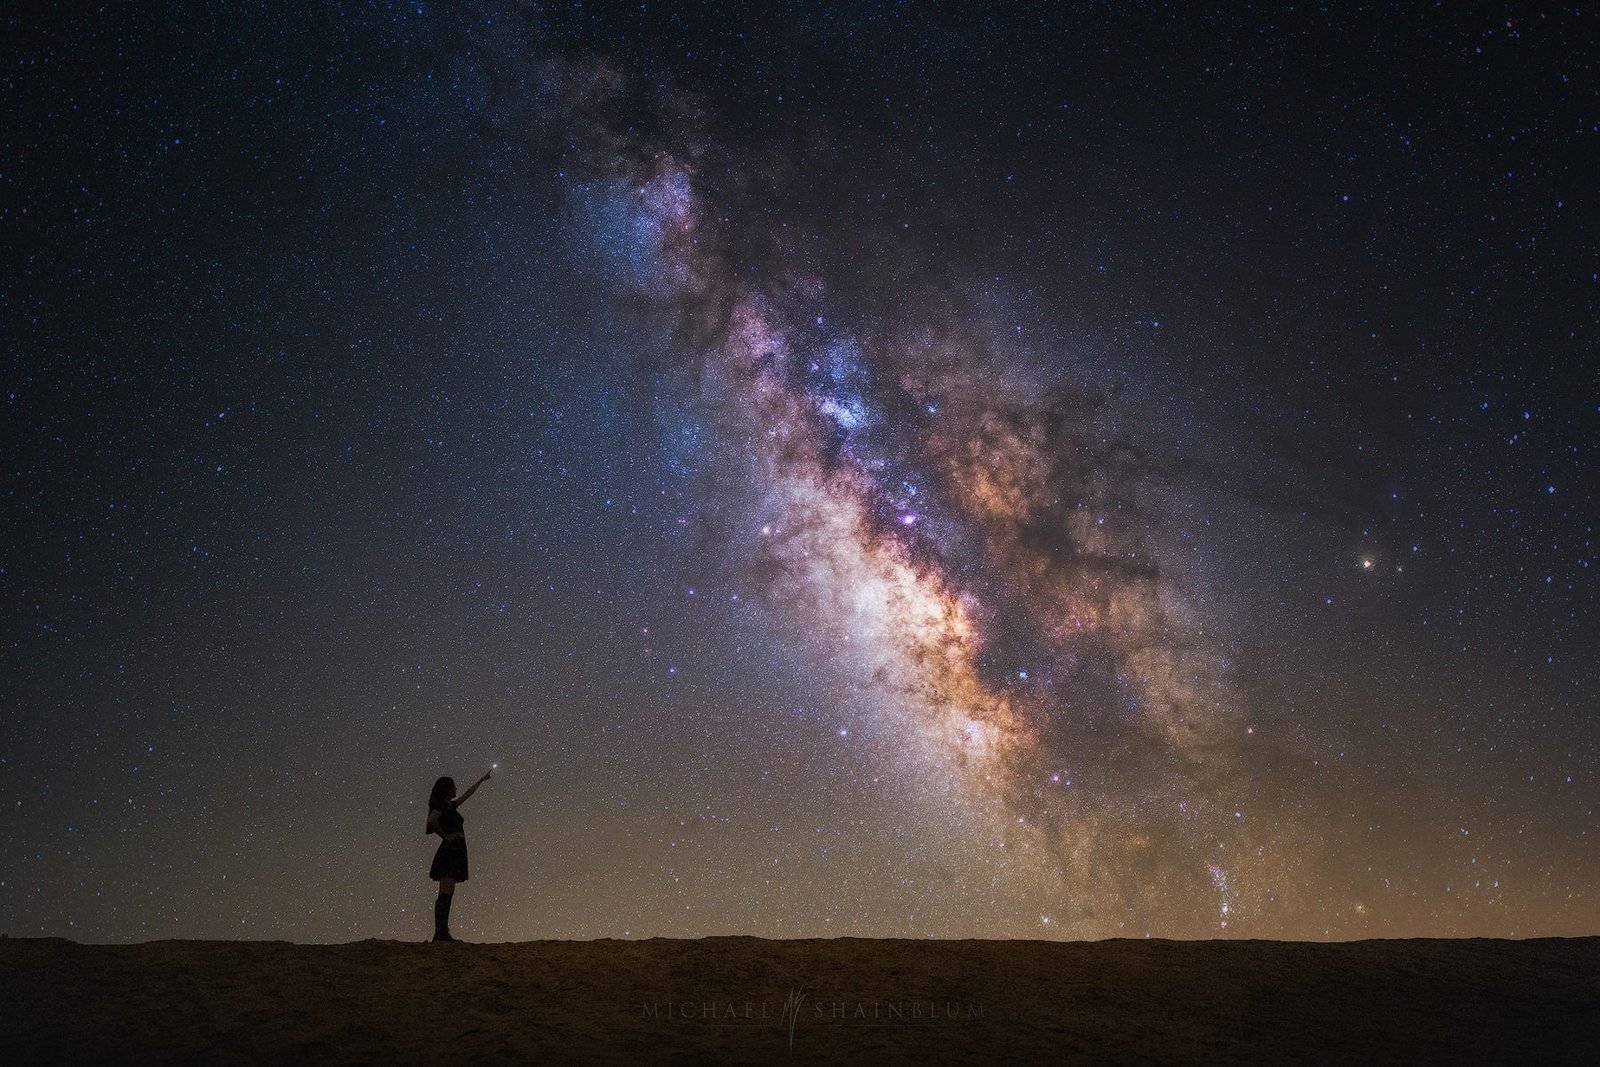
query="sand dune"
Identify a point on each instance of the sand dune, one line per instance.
(732, 999)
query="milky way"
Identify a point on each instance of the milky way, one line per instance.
(994, 562)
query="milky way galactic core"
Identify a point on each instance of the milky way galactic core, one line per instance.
(998, 565)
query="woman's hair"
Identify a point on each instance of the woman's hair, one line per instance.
(443, 790)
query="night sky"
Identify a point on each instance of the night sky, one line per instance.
(858, 469)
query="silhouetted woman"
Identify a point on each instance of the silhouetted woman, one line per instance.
(450, 861)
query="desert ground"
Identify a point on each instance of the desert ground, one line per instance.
(747, 1000)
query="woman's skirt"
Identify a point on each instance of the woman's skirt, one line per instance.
(450, 861)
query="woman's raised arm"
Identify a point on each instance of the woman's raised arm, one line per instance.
(473, 788)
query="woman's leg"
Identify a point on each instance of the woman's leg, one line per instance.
(441, 910)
